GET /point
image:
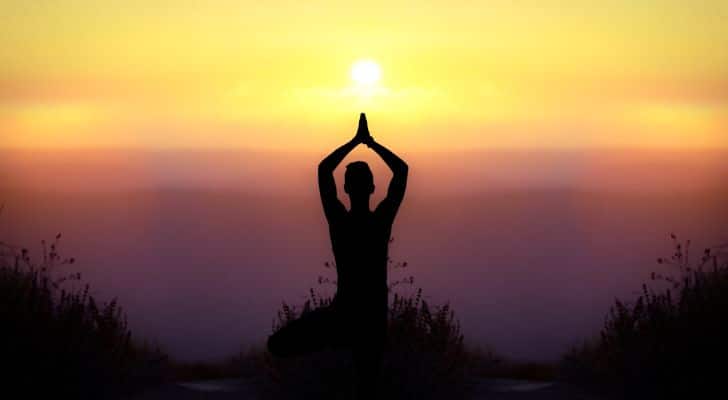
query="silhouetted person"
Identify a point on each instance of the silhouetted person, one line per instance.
(357, 317)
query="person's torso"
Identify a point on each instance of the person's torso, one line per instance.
(360, 244)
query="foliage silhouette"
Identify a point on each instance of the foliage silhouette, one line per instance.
(425, 357)
(60, 342)
(671, 342)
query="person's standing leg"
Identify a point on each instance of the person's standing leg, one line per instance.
(368, 345)
(367, 370)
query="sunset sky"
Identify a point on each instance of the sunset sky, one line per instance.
(277, 75)
(552, 145)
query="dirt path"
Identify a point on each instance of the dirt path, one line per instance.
(507, 389)
(496, 389)
(214, 390)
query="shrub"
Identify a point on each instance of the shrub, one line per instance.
(62, 342)
(671, 341)
(424, 359)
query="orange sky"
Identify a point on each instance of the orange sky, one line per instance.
(225, 74)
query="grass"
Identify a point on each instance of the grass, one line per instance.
(60, 341)
(671, 342)
(425, 357)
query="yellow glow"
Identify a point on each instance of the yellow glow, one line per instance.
(365, 72)
(451, 74)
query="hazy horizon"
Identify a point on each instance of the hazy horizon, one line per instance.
(531, 247)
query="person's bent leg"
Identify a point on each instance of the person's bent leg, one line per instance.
(310, 332)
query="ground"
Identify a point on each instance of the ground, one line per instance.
(490, 389)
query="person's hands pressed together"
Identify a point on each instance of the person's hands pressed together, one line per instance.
(362, 132)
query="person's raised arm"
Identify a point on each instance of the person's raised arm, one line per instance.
(398, 184)
(327, 185)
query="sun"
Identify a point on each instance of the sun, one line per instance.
(365, 72)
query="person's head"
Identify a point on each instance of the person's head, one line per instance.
(358, 179)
